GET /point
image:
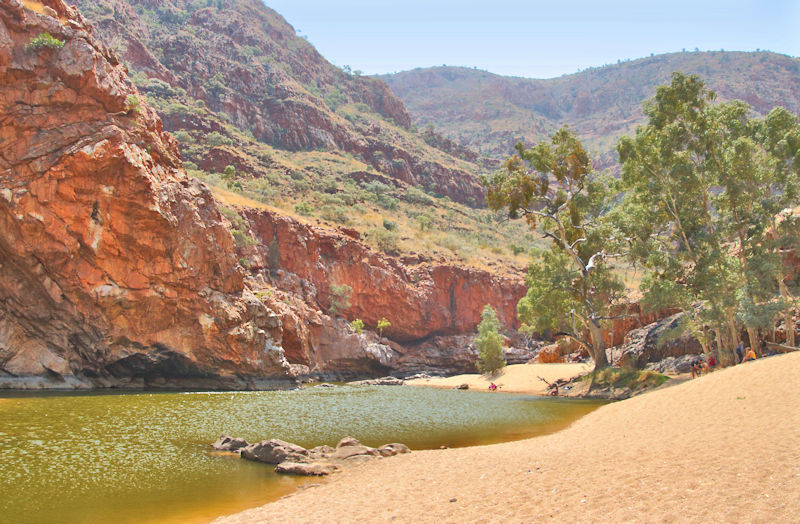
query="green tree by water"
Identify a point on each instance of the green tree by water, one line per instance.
(571, 288)
(706, 186)
(489, 343)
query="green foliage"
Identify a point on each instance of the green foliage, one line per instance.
(239, 228)
(229, 176)
(632, 379)
(389, 225)
(705, 185)
(303, 208)
(357, 326)
(383, 324)
(489, 343)
(339, 297)
(571, 288)
(424, 221)
(336, 214)
(335, 98)
(44, 41)
(216, 87)
(385, 240)
(132, 105)
(215, 138)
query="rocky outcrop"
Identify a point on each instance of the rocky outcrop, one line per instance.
(116, 269)
(655, 342)
(245, 64)
(434, 309)
(420, 302)
(292, 459)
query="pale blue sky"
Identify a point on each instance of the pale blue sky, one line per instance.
(534, 39)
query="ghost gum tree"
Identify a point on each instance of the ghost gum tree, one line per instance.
(571, 288)
(706, 193)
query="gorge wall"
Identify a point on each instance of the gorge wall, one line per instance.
(116, 269)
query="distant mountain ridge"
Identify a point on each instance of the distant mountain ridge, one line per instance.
(490, 113)
(214, 63)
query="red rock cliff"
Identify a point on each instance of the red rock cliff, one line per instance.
(421, 302)
(115, 267)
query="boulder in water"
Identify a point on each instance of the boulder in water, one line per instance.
(317, 469)
(275, 451)
(226, 443)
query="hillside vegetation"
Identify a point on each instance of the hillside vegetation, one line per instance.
(490, 113)
(258, 111)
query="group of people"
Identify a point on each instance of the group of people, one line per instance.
(743, 354)
(700, 366)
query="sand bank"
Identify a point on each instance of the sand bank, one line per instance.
(518, 378)
(723, 447)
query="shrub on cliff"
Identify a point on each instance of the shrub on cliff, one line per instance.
(357, 326)
(489, 343)
(44, 41)
(385, 240)
(340, 298)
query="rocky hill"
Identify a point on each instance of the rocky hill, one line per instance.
(257, 110)
(490, 113)
(209, 64)
(117, 269)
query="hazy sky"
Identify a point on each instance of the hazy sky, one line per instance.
(539, 39)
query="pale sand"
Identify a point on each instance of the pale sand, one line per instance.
(721, 448)
(518, 378)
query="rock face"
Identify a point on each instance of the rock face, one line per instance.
(116, 269)
(655, 342)
(431, 307)
(425, 301)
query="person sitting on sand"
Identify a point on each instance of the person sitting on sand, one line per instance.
(696, 369)
(492, 386)
(749, 355)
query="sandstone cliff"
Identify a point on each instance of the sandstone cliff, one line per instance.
(431, 306)
(115, 267)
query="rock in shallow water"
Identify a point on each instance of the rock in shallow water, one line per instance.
(275, 451)
(226, 443)
(317, 469)
(384, 381)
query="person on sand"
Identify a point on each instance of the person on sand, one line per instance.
(749, 355)
(712, 363)
(492, 386)
(739, 352)
(696, 369)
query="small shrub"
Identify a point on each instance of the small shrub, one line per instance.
(44, 41)
(132, 105)
(424, 222)
(340, 298)
(304, 209)
(385, 240)
(389, 225)
(383, 324)
(334, 214)
(215, 138)
(357, 326)
(517, 250)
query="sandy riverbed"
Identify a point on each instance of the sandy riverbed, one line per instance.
(518, 378)
(723, 447)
